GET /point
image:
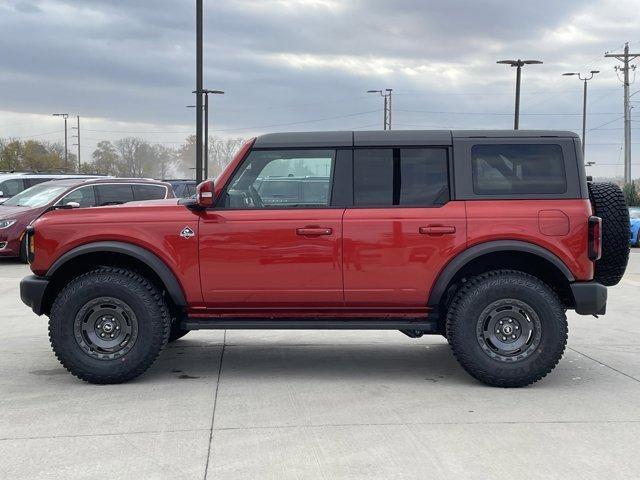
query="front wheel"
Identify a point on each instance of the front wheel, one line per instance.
(108, 325)
(507, 328)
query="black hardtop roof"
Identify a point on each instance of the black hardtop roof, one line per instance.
(392, 137)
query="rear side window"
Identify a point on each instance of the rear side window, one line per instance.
(402, 176)
(12, 187)
(30, 182)
(149, 192)
(518, 169)
(114, 194)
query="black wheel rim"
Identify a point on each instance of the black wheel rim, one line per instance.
(106, 328)
(508, 330)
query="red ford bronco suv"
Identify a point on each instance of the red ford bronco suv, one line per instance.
(485, 237)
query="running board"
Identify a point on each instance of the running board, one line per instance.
(422, 325)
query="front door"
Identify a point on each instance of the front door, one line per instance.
(273, 240)
(402, 228)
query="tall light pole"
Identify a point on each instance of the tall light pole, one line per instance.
(387, 95)
(584, 79)
(66, 159)
(199, 82)
(518, 64)
(206, 93)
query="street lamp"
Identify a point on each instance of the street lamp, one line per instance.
(65, 116)
(206, 93)
(518, 64)
(584, 79)
(386, 94)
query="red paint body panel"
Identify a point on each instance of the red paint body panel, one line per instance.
(489, 220)
(388, 262)
(353, 262)
(257, 258)
(155, 226)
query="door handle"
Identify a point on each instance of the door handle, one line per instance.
(437, 230)
(314, 231)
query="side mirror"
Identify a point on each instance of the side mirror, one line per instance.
(73, 205)
(205, 194)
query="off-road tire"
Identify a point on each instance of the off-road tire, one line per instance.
(135, 292)
(177, 331)
(609, 204)
(464, 319)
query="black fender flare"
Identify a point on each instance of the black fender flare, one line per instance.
(463, 258)
(139, 253)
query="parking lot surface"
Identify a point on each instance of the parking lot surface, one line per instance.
(313, 404)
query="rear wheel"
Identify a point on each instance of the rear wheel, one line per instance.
(108, 325)
(507, 328)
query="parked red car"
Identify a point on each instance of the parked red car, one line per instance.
(22, 209)
(485, 237)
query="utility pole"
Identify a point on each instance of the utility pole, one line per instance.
(198, 91)
(386, 95)
(518, 64)
(206, 93)
(78, 138)
(625, 58)
(584, 79)
(66, 152)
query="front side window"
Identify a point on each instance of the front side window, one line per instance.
(518, 169)
(84, 196)
(401, 176)
(282, 179)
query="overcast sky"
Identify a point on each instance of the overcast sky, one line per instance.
(127, 66)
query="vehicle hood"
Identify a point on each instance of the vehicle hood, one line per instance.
(18, 212)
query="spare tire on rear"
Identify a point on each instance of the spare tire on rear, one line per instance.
(609, 204)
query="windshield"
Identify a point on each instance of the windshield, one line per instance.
(36, 196)
(634, 212)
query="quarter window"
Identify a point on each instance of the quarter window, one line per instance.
(282, 179)
(402, 176)
(518, 169)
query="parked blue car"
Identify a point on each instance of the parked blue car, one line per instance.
(634, 217)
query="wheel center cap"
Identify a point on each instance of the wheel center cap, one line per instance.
(507, 329)
(107, 327)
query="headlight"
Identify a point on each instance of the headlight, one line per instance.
(6, 223)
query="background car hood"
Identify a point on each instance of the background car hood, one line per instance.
(15, 212)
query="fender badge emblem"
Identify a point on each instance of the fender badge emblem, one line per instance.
(187, 233)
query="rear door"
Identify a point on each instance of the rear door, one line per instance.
(402, 228)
